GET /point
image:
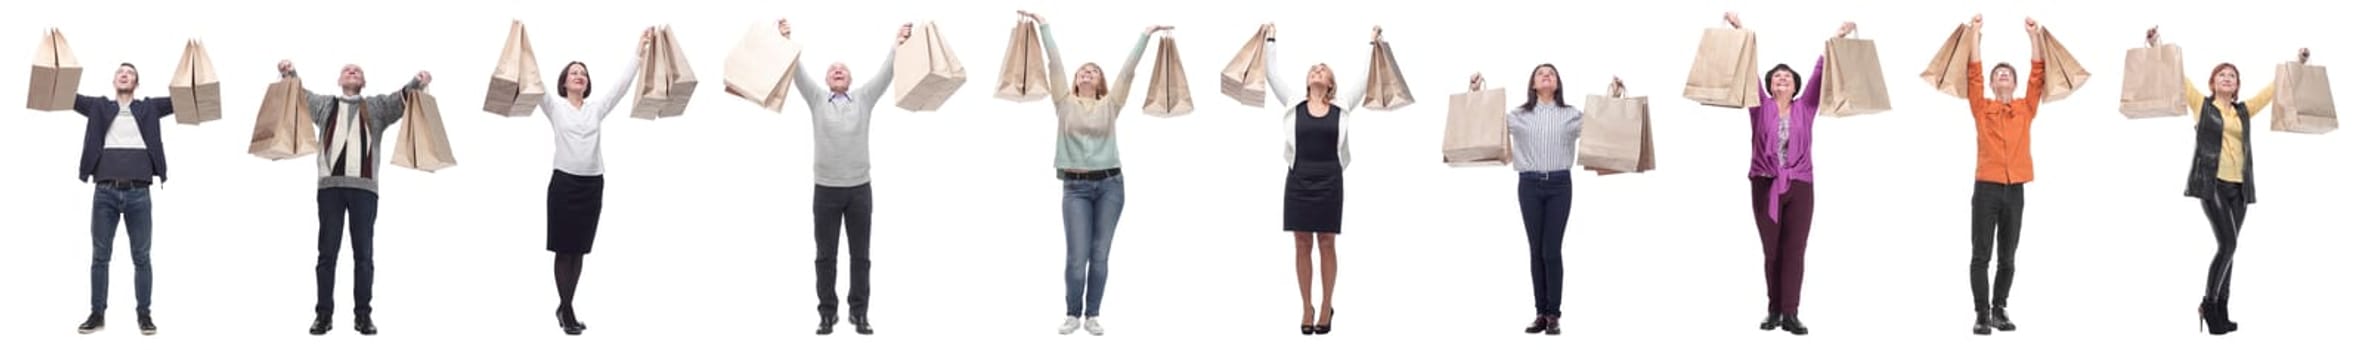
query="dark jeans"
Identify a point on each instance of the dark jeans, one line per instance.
(129, 206)
(1784, 241)
(1543, 201)
(335, 205)
(850, 207)
(1995, 212)
(1090, 209)
(2226, 211)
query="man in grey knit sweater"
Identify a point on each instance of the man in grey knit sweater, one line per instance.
(351, 127)
(841, 180)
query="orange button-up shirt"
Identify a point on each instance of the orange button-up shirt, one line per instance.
(2003, 154)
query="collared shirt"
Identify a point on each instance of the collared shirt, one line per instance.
(2004, 146)
(1543, 139)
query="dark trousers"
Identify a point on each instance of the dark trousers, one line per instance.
(1543, 201)
(335, 206)
(849, 207)
(2226, 211)
(129, 206)
(1784, 241)
(1995, 212)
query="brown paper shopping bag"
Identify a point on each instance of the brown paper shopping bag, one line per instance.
(1855, 85)
(1023, 78)
(2302, 100)
(665, 79)
(283, 126)
(925, 71)
(1616, 135)
(2062, 74)
(517, 79)
(759, 69)
(422, 145)
(1387, 90)
(1243, 78)
(56, 74)
(2154, 83)
(1169, 86)
(1723, 73)
(1477, 129)
(1949, 70)
(196, 89)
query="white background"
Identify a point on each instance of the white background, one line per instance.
(703, 250)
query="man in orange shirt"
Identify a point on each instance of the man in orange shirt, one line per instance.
(2004, 166)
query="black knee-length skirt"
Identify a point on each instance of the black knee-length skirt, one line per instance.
(1316, 198)
(574, 211)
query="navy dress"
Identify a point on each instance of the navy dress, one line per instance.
(1315, 200)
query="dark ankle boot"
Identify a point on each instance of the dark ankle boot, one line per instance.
(1984, 324)
(1792, 324)
(2001, 320)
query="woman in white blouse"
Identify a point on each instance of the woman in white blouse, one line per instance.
(1313, 206)
(576, 185)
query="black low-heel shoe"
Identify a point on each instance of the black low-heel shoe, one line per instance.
(1791, 324)
(1770, 322)
(1540, 324)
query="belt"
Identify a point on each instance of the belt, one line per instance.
(1093, 175)
(122, 184)
(1545, 175)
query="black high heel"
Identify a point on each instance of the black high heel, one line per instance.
(1306, 329)
(567, 323)
(1324, 327)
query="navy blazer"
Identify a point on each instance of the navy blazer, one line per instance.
(101, 111)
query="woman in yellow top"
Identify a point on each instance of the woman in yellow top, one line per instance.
(2221, 177)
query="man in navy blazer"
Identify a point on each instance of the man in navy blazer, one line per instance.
(123, 153)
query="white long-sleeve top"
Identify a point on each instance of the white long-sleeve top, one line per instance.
(1349, 95)
(576, 130)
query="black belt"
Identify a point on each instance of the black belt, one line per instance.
(122, 184)
(1094, 175)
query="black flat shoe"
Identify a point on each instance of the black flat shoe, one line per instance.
(1323, 328)
(2001, 321)
(321, 324)
(1540, 323)
(147, 326)
(1553, 327)
(861, 325)
(362, 324)
(1984, 325)
(96, 322)
(1770, 321)
(1791, 324)
(828, 325)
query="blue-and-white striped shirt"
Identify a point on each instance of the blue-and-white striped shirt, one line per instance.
(1544, 139)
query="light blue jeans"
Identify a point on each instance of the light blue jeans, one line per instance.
(1091, 208)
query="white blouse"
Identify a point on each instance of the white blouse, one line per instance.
(576, 130)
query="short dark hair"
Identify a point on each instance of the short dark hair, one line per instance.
(1792, 78)
(586, 80)
(134, 71)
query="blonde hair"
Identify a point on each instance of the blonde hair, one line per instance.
(1101, 84)
(1329, 93)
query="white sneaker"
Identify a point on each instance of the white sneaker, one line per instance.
(1092, 325)
(1072, 323)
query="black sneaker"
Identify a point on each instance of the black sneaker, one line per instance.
(96, 322)
(147, 326)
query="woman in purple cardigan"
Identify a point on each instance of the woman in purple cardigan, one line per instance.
(1781, 175)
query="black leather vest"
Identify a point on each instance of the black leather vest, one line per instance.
(2207, 152)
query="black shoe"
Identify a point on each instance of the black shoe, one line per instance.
(1770, 321)
(2223, 310)
(1791, 324)
(1540, 323)
(2001, 321)
(1984, 324)
(96, 322)
(1323, 328)
(861, 325)
(321, 324)
(147, 326)
(567, 323)
(364, 326)
(2212, 318)
(828, 324)
(1553, 327)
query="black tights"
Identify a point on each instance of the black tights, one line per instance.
(569, 270)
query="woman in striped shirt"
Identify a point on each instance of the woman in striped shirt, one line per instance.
(1543, 132)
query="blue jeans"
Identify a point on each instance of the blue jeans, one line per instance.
(1091, 208)
(108, 207)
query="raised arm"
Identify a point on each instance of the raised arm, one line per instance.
(1977, 65)
(812, 91)
(1351, 89)
(1810, 94)
(1122, 90)
(1058, 67)
(287, 71)
(622, 87)
(1280, 88)
(2035, 70)
(875, 88)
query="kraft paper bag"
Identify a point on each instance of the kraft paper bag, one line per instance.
(1023, 78)
(759, 69)
(2062, 74)
(2302, 100)
(517, 79)
(1243, 78)
(283, 126)
(56, 74)
(422, 145)
(196, 88)
(2154, 83)
(1949, 70)
(1387, 89)
(1723, 73)
(1616, 135)
(925, 71)
(1477, 129)
(1855, 85)
(665, 79)
(1169, 85)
